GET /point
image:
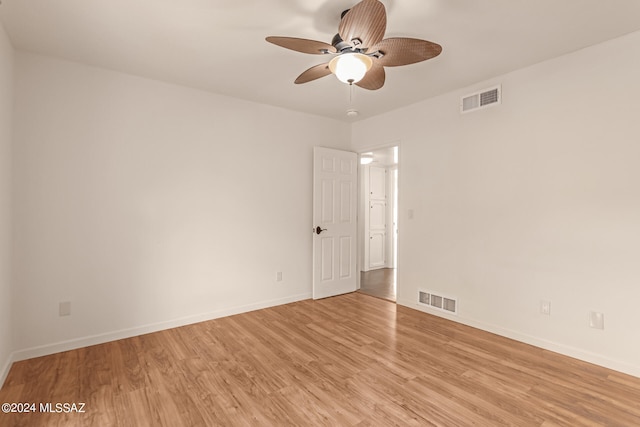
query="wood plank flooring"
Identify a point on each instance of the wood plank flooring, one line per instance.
(351, 360)
(380, 283)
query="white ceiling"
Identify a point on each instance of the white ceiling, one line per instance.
(219, 46)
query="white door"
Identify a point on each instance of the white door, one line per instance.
(334, 222)
(377, 233)
(377, 217)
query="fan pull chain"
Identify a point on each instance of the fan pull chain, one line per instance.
(351, 111)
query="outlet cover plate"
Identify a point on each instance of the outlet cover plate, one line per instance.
(545, 307)
(64, 309)
(596, 320)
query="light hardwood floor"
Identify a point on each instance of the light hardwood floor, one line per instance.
(351, 360)
(379, 283)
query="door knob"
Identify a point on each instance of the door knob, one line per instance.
(320, 230)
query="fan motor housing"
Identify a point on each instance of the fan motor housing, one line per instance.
(340, 44)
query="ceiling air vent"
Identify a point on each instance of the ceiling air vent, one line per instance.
(481, 99)
(438, 302)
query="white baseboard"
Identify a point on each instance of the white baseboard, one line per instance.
(565, 350)
(58, 347)
(132, 332)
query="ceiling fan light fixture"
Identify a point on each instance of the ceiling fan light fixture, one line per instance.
(366, 158)
(350, 67)
(358, 45)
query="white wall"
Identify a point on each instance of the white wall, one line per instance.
(536, 199)
(6, 109)
(148, 205)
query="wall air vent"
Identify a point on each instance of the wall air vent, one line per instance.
(438, 302)
(482, 99)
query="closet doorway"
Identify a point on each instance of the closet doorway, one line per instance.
(378, 227)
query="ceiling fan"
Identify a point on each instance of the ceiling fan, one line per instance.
(359, 51)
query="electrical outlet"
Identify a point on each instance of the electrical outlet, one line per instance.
(64, 308)
(545, 307)
(279, 276)
(596, 320)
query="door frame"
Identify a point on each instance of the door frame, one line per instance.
(361, 202)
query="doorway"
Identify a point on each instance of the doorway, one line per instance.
(378, 231)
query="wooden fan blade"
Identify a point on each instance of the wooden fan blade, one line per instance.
(302, 45)
(313, 73)
(374, 79)
(366, 21)
(403, 51)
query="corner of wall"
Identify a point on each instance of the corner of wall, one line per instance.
(6, 206)
(4, 371)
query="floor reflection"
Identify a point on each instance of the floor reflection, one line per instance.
(379, 283)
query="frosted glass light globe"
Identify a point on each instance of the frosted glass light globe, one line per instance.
(350, 67)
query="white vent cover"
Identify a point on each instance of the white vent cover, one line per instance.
(438, 302)
(482, 99)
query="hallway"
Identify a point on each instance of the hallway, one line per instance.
(380, 283)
